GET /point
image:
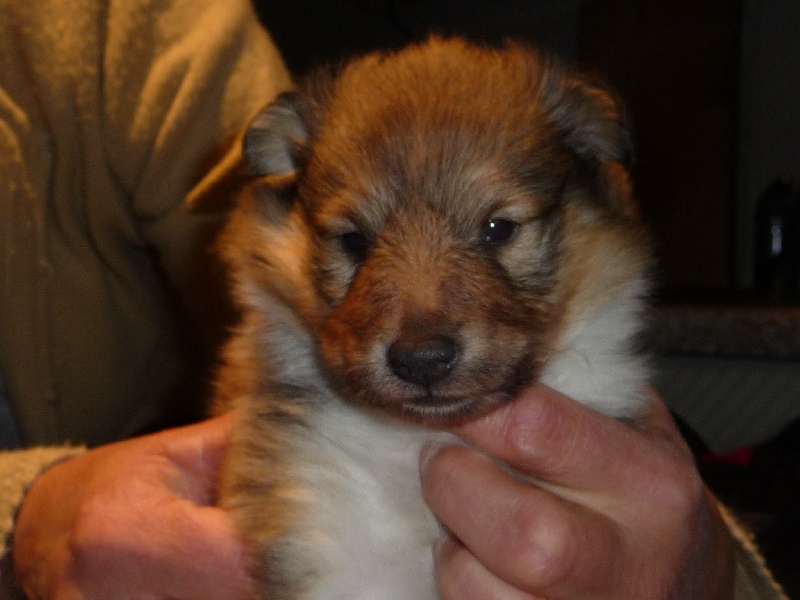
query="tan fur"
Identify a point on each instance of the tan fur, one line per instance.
(366, 244)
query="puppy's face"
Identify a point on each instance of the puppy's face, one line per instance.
(437, 219)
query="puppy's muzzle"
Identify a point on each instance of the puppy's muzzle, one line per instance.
(423, 359)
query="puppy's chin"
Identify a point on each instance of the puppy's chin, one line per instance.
(438, 412)
(442, 411)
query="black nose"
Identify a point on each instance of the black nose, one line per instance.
(423, 360)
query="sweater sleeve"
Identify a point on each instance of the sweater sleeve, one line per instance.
(175, 127)
(18, 469)
(753, 579)
(120, 127)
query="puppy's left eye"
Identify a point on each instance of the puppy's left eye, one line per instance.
(498, 231)
(355, 245)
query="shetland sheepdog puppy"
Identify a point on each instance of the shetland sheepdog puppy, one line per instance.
(425, 233)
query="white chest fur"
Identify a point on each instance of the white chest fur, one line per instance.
(370, 530)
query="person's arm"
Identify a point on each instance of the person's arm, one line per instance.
(593, 509)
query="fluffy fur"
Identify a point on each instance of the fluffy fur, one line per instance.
(425, 233)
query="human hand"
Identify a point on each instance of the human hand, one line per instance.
(133, 520)
(615, 512)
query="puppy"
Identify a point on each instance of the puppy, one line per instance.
(425, 233)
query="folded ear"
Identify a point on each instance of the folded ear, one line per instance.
(591, 117)
(277, 139)
(594, 125)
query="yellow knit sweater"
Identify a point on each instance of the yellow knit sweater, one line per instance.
(119, 125)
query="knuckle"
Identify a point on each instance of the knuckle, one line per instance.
(437, 471)
(529, 439)
(450, 585)
(546, 550)
(454, 577)
(681, 491)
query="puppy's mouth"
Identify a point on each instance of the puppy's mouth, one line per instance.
(431, 409)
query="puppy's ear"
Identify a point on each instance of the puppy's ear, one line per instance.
(591, 118)
(276, 143)
(594, 125)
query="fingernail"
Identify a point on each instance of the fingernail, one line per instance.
(429, 450)
(444, 546)
(439, 544)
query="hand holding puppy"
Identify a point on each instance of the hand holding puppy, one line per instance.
(620, 512)
(617, 508)
(133, 520)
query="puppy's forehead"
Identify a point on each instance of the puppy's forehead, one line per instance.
(466, 194)
(441, 130)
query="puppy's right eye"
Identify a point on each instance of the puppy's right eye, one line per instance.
(498, 231)
(355, 245)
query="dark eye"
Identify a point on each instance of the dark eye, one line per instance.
(498, 231)
(355, 245)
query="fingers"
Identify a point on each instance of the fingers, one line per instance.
(462, 577)
(659, 422)
(199, 541)
(532, 540)
(559, 441)
(557, 501)
(219, 550)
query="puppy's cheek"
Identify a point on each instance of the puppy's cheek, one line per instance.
(496, 358)
(351, 343)
(340, 345)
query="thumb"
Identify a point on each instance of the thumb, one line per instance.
(197, 451)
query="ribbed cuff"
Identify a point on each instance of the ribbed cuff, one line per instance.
(753, 579)
(18, 469)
